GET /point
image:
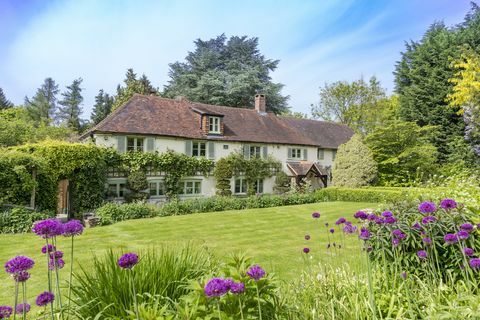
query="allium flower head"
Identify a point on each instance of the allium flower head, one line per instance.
(340, 221)
(379, 220)
(422, 254)
(21, 276)
(371, 217)
(18, 264)
(364, 234)
(427, 240)
(48, 228)
(58, 263)
(237, 287)
(462, 234)
(468, 252)
(50, 248)
(307, 237)
(390, 220)
(5, 312)
(22, 307)
(44, 298)
(428, 219)
(466, 227)
(128, 260)
(72, 228)
(417, 226)
(403, 275)
(427, 207)
(256, 272)
(362, 215)
(387, 214)
(216, 287)
(56, 254)
(306, 250)
(349, 228)
(448, 204)
(332, 230)
(475, 263)
(316, 215)
(395, 242)
(450, 238)
(397, 233)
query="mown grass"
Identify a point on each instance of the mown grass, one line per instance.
(273, 236)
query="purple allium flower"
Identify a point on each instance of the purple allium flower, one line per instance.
(349, 228)
(72, 228)
(379, 220)
(128, 260)
(332, 230)
(395, 242)
(360, 215)
(371, 217)
(21, 276)
(256, 272)
(44, 298)
(22, 308)
(468, 252)
(216, 287)
(306, 250)
(428, 219)
(417, 226)
(341, 221)
(466, 227)
(397, 233)
(450, 238)
(364, 234)
(390, 220)
(5, 312)
(403, 275)
(316, 215)
(307, 237)
(448, 204)
(56, 254)
(51, 248)
(462, 234)
(18, 264)
(422, 254)
(228, 283)
(48, 228)
(59, 263)
(387, 214)
(427, 207)
(369, 249)
(475, 263)
(427, 240)
(237, 287)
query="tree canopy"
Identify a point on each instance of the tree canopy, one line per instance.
(70, 106)
(226, 72)
(43, 106)
(4, 102)
(133, 85)
(102, 108)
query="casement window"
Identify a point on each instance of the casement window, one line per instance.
(190, 187)
(255, 152)
(156, 188)
(116, 190)
(214, 124)
(296, 153)
(320, 154)
(258, 186)
(240, 186)
(135, 144)
(199, 149)
(250, 151)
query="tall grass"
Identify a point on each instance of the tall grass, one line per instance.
(161, 278)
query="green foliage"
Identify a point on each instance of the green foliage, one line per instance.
(137, 184)
(160, 276)
(43, 106)
(20, 220)
(226, 72)
(132, 86)
(102, 108)
(112, 212)
(282, 182)
(4, 102)
(223, 173)
(70, 110)
(402, 152)
(354, 165)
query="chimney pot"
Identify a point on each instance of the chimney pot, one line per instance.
(260, 103)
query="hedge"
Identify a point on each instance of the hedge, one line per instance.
(20, 220)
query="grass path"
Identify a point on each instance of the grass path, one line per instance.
(273, 236)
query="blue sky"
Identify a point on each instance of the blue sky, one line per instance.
(316, 41)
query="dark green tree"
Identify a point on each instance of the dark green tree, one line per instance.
(4, 102)
(102, 108)
(42, 107)
(70, 106)
(132, 86)
(226, 72)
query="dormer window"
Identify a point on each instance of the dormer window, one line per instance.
(214, 124)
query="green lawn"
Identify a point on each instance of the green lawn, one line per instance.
(273, 236)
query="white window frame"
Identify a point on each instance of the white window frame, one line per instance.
(213, 124)
(296, 153)
(242, 185)
(119, 192)
(258, 185)
(193, 187)
(136, 146)
(197, 146)
(320, 154)
(257, 151)
(159, 188)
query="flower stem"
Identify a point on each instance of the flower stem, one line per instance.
(135, 295)
(258, 301)
(70, 280)
(218, 310)
(24, 312)
(16, 301)
(49, 278)
(241, 307)
(57, 278)
(370, 287)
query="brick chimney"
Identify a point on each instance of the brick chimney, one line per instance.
(260, 103)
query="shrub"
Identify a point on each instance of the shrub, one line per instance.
(113, 212)
(136, 184)
(161, 277)
(19, 220)
(282, 182)
(354, 165)
(223, 172)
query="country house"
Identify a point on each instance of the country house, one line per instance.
(306, 148)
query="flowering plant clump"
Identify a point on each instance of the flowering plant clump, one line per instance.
(48, 228)
(19, 264)
(216, 287)
(128, 260)
(5, 312)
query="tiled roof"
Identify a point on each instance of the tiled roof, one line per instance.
(152, 115)
(302, 168)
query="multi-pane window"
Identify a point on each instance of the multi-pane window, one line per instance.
(240, 185)
(116, 190)
(296, 153)
(255, 152)
(156, 188)
(214, 124)
(134, 144)
(199, 149)
(192, 187)
(258, 186)
(320, 154)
